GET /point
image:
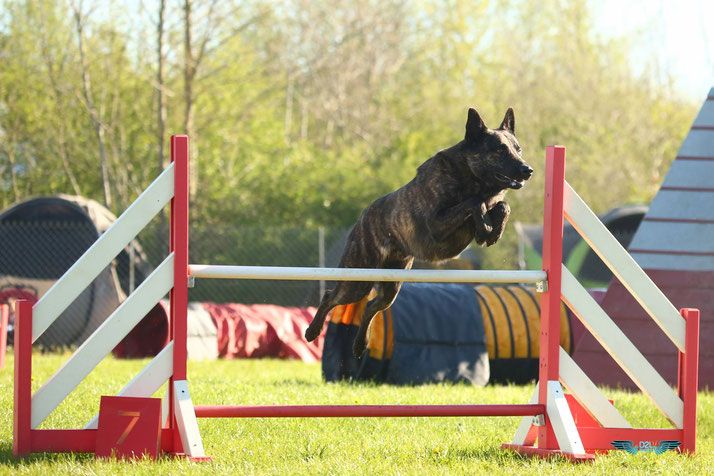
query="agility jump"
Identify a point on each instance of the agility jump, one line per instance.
(548, 427)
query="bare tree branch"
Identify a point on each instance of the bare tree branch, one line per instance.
(89, 103)
(57, 98)
(160, 79)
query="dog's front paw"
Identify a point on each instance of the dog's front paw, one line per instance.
(482, 227)
(499, 216)
(495, 236)
(499, 212)
(483, 224)
(493, 240)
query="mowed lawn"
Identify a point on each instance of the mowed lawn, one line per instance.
(335, 445)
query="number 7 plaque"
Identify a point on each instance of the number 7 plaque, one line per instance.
(129, 427)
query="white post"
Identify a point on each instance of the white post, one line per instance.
(562, 420)
(186, 420)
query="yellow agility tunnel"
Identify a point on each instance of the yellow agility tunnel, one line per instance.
(510, 318)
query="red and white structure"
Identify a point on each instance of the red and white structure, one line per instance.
(574, 425)
(674, 244)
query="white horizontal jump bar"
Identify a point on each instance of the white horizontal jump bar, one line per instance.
(366, 274)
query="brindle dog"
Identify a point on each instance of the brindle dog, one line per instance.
(456, 196)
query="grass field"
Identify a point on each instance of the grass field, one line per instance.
(335, 446)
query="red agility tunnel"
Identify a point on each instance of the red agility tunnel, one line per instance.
(227, 331)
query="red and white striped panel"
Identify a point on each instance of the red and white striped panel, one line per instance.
(677, 232)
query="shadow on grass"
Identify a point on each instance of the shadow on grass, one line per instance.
(491, 453)
(7, 458)
(298, 382)
(498, 454)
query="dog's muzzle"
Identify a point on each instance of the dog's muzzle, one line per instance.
(525, 172)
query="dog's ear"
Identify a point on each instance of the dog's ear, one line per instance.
(474, 125)
(509, 122)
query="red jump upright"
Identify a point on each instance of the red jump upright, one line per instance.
(549, 369)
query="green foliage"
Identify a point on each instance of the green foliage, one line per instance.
(308, 112)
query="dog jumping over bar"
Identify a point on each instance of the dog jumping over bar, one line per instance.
(456, 196)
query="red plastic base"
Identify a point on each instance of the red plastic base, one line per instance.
(129, 427)
(547, 454)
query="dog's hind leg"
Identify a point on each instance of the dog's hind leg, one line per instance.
(386, 294)
(345, 292)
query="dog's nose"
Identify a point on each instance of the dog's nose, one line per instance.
(526, 170)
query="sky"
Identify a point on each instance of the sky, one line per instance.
(672, 38)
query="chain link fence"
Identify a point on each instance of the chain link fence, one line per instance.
(254, 246)
(33, 255)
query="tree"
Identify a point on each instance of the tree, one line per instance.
(56, 64)
(160, 86)
(95, 115)
(305, 112)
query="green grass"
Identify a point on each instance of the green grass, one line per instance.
(335, 446)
